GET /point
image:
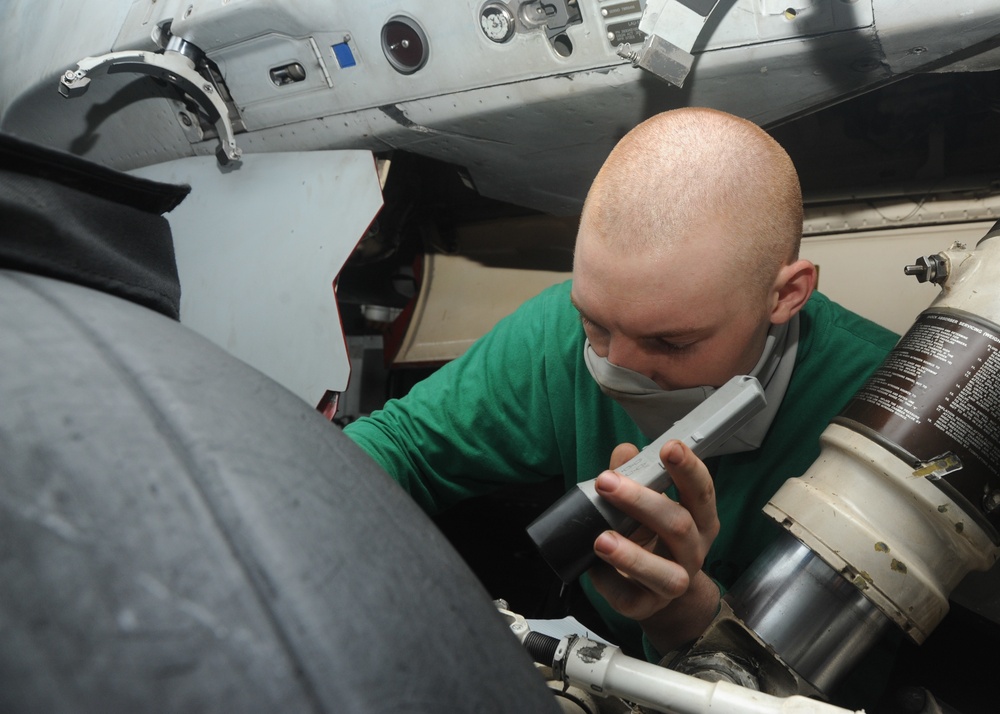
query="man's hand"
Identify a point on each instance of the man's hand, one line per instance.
(655, 576)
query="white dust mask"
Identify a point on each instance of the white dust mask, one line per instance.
(654, 410)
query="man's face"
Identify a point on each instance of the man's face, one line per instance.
(682, 319)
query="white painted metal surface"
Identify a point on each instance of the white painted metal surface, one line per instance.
(863, 270)
(258, 250)
(530, 120)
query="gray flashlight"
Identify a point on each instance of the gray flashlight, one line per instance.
(566, 531)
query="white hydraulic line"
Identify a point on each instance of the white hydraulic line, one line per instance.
(604, 669)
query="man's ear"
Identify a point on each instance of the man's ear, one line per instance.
(792, 288)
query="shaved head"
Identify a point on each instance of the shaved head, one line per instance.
(686, 173)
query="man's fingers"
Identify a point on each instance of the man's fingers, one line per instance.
(656, 511)
(649, 581)
(694, 485)
(641, 575)
(686, 528)
(669, 521)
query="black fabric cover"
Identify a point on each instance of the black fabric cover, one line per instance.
(71, 219)
(178, 533)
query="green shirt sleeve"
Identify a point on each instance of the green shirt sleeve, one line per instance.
(482, 421)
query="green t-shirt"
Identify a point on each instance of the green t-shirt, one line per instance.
(520, 406)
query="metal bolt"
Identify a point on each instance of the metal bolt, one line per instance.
(919, 270)
(928, 267)
(991, 501)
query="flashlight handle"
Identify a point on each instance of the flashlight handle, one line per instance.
(565, 533)
(704, 429)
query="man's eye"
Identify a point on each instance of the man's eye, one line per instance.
(590, 325)
(667, 346)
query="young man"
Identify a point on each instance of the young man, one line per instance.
(686, 273)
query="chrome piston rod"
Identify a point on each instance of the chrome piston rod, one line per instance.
(816, 620)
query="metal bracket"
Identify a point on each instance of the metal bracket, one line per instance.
(170, 66)
(671, 28)
(939, 467)
(553, 16)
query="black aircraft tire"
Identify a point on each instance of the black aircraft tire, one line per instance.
(178, 533)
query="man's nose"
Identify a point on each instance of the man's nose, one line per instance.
(625, 353)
